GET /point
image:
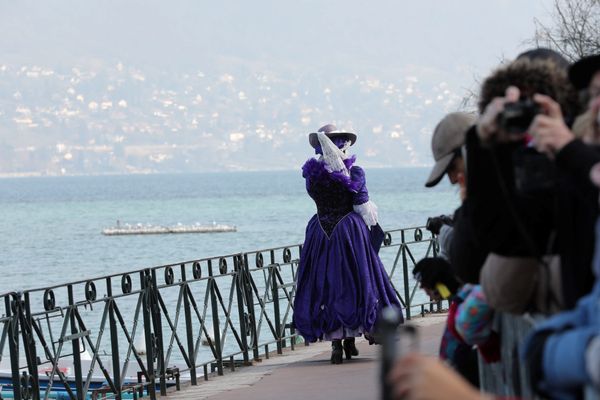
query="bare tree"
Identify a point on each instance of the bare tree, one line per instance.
(574, 30)
(468, 102)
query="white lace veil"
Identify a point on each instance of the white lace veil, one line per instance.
(334, 162)
(332, 155)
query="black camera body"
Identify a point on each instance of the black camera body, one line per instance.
(434, 224)
(516, 117)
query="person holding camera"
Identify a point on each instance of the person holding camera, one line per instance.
(531, 211)
(442, 227)
(563, 352)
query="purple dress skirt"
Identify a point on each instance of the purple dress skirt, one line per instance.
(341, 284)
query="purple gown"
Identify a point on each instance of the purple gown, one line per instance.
(341, 283)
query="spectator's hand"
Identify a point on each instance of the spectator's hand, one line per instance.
(549, 130)
(447, 220)
(418, 377)
(487, 126)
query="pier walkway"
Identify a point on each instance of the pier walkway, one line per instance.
(306, 373)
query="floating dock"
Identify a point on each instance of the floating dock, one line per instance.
(161, 230)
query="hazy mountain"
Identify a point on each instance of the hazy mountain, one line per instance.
(144, 86)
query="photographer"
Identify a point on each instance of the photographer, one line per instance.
(523, 205)
(446, 146)
(563, 352)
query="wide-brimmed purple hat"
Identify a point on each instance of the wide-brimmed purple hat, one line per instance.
(330, 131)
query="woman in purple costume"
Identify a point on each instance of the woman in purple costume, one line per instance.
(341, 284)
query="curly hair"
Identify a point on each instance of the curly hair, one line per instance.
(531, 77)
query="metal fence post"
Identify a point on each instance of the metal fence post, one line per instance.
(30, 349)
(75, 345)
(188, 326)
(405, 273)
(158, 336)
(146, 304)
(239, 287)
(13, 346)
(276, 311)
(251, 311)
(215, 318)
(114, 341)
(280, 332)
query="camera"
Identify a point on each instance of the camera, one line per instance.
(516, 117)
(434, 224)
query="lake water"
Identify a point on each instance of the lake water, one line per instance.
(51, 227)
(51, 234)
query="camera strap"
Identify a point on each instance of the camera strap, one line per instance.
(547, 273)
(511, 209)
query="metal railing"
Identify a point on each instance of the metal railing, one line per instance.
(406, 247)
(141, 332)
(510, 377)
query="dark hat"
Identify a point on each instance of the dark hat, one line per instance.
(449, 135)
(542, 53)
(581, 73)
(330, 131)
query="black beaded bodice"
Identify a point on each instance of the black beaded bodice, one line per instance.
(333, 201)
(334, 193)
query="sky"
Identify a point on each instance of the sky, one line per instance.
(448, 46)
(459, 35)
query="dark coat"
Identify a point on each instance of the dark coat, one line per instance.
(519, 203)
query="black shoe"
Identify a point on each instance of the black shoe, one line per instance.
(336, 352)
(350, 348)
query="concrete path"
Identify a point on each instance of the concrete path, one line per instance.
(307, 373)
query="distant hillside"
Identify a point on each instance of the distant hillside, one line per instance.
(125, 119)
(139, 86)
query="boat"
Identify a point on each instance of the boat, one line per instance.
(97, 385)
(97, 382)
(140, 229)
(58, 390)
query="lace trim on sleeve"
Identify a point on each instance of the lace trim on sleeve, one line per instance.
(368, 212)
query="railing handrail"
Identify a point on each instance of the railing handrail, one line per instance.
(240, 303)
(204, 259)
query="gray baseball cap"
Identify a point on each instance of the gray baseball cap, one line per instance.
(449, 135)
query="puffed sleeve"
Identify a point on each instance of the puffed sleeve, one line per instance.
(362, 205)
